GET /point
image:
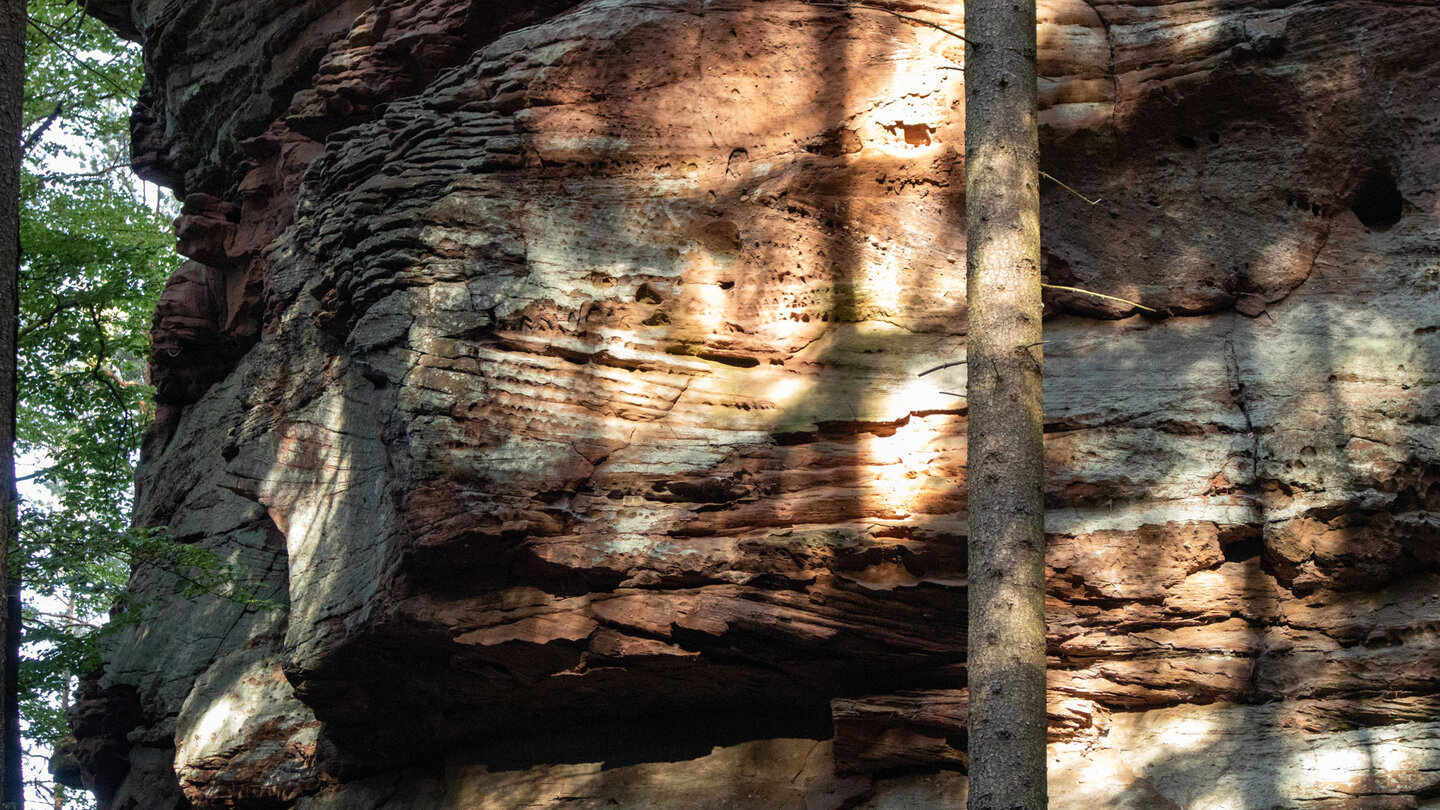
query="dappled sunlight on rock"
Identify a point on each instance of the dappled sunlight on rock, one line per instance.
(587, 381)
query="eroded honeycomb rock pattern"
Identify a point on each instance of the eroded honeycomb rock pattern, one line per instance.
(562, 369)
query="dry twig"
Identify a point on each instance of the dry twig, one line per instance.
(874, 7)
(1049, 176)
(941, 366)
(1135, 304)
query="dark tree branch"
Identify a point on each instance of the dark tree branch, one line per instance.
(39, 131)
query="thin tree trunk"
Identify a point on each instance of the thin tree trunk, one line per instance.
(1005, 466)
(12, 86)
(59, 795)
(14, 789)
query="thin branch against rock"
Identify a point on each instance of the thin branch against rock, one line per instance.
(1043, 285)
(1135, 304)
(874, 7)
(942, 366)
(1052, 178)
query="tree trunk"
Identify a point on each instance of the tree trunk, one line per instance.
(1005, 466)
(12, 86)
(14, 754)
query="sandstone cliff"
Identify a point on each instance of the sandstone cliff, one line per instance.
(560, 367)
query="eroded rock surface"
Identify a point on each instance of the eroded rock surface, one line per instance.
(571, 374)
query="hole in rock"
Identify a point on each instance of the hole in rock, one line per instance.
(1186, 141)
(1377, 202)
(1214, 137)
(914, 134)
(917, 134)
(1247, 549)
(738, 361)
(737, 155)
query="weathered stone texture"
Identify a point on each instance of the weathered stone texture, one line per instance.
(582, 360)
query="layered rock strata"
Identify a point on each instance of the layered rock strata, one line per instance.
(584, 380)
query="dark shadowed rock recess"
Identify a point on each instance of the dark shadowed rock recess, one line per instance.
(558, 367)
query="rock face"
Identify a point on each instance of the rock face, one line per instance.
(570, 373)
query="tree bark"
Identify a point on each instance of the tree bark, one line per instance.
(1005, 466)
(14, 754)
(12, 87)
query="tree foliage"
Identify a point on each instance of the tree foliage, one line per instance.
(94, 258)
